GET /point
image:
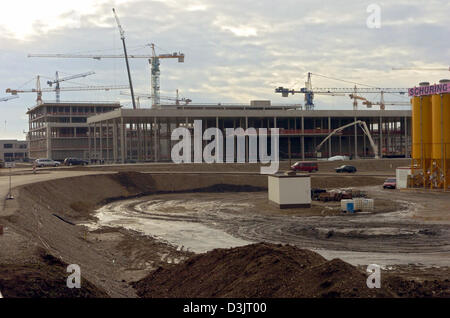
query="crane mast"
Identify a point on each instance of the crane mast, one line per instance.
(122, 36)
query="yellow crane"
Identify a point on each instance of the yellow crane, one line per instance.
(381, 103)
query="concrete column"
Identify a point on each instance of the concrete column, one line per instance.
(329, 141)
(246, 141)
(95, 142)
(89, 143)
(115, 140)
(303, 138)
(151, 137)
(129, 140)
(364, 144)
(156, 145)
(139, 143)
(406, 136)
(49, 141)
(340, 139)
(356, 139)
(122, 140)
(169, 142)
(144, 133)
(101, 140)
(381, 136)
(217, 126)
(107, 140)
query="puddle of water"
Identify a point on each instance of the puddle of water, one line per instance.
(192, 236)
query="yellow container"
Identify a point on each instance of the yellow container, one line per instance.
(421, 127)
(440, 125)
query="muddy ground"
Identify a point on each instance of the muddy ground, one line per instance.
(112, 257)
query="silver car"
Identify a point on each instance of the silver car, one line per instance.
(46, 163)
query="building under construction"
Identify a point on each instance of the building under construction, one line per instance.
(139, 135)
(60, 130)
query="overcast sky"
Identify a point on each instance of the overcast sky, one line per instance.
(235, 51)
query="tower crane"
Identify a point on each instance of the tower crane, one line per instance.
(176, 99)
(58, 80)
(336, 91)
(381, 103)
(122, 37)
(38, 90)
(7, 98)
(153, 59)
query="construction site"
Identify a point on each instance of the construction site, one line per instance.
(352, 188)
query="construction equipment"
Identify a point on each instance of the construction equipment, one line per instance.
(336, 91)
(38, 90)
(152, 59)
(364, 128)
(67, 78)
(381, 103)
(7, 98)
(176, 99)
(122, 37)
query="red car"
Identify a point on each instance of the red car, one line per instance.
(390, 183)
(308, 166)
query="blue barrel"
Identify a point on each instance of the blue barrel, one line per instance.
(351, 207)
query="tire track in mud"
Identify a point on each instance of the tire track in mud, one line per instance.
(389, 232)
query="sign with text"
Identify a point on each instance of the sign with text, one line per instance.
(10, 164)
(429, 90)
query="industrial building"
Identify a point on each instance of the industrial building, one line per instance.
(13, 150)
(139, 135)
(59, 130)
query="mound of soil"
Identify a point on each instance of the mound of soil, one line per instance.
(258, 270)
(44, 279)
(413, 288)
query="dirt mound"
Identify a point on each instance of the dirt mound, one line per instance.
(258, 270)
(44, 279)
(413, 288)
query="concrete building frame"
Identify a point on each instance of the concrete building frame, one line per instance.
(142, 135)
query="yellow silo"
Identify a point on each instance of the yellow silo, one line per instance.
(441, 139)
(421, 126)
(441, 125)
(421, 138)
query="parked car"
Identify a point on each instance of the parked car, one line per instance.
(46, 163)
(346, 168)
(390, 183)
(75, 162)
(309, 166)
